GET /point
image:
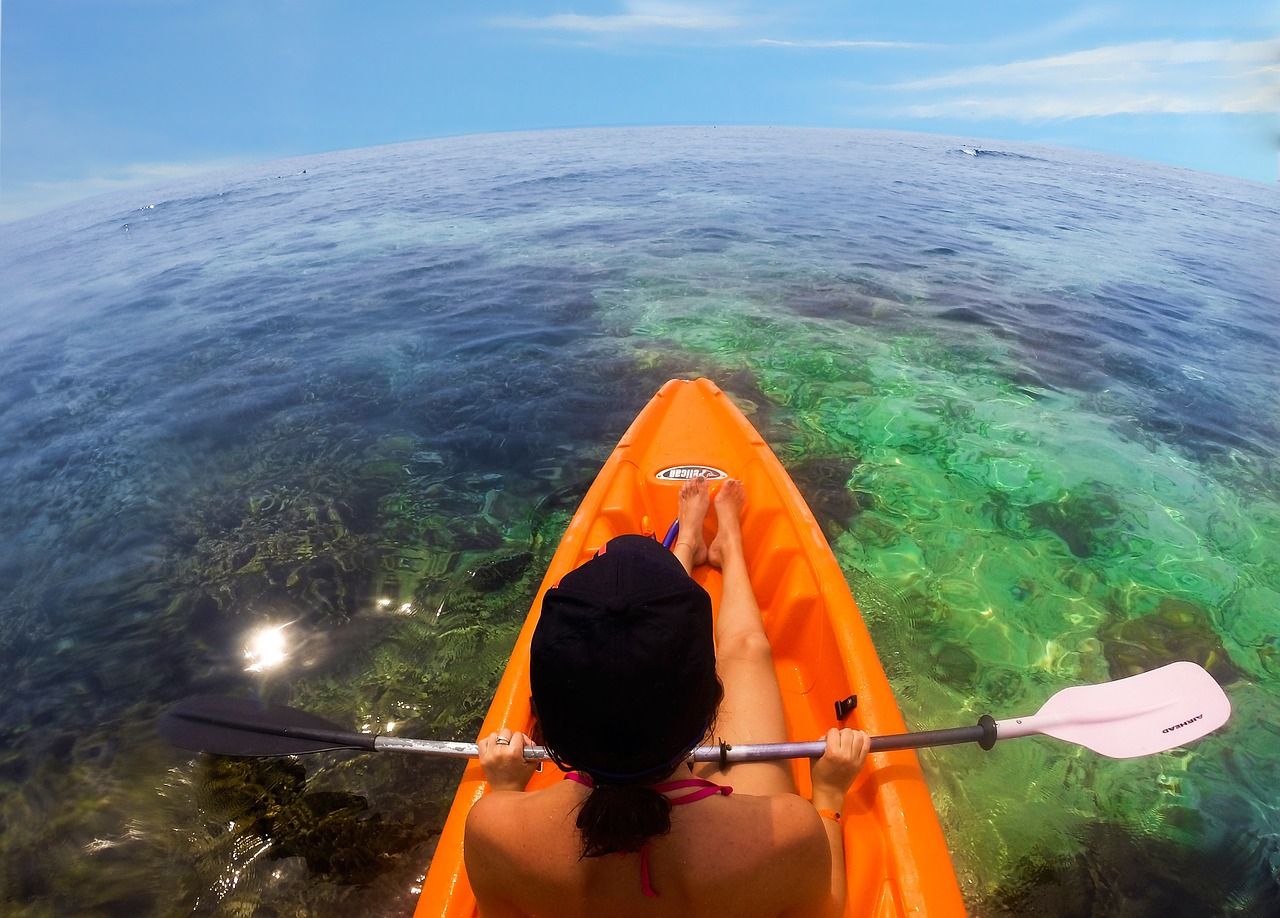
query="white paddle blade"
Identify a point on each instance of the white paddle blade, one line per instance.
(1141, 715)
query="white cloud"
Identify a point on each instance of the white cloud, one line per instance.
(1056, 31)
(838, 43)
(27, 199)
(638, 16)
(1170, 77)
(653, 18)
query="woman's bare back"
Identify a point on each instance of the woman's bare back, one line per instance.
(738, 855)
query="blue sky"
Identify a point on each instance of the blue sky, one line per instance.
(102, 95)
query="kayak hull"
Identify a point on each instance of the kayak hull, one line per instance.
(897, 859)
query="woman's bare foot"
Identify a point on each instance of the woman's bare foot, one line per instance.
(691, 544)
(727, 545)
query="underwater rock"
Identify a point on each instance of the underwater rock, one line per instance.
(331, 830)
(824, 482)
(1176, 630)
(1081, 517)
(496, 573)
(1123, 872)
(860, 301)
(953, 665)
(967, 315)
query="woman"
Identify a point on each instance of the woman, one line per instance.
(626, 680)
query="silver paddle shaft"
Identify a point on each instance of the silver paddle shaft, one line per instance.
(724, 753)
(759, 752)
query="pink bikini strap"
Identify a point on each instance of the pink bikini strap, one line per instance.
(646, 886)
(704, 787)
(704, 790)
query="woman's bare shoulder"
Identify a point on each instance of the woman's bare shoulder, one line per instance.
(494, 814)
(789, 811)
(489, 853)
(493, 805)
(767, 833)
(768, 855)
(483, 830)
(501, 820)
(797, 823)
(496, 837)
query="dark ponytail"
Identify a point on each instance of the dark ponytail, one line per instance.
(621, 818)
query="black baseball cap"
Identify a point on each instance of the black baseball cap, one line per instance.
(623, 664)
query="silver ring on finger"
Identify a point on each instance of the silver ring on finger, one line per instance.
(503, 741)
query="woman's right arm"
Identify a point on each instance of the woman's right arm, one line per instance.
(489, 823)
(832, 776)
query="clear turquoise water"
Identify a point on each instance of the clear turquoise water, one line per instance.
(1029, 392)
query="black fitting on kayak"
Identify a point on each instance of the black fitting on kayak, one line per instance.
(724, 753)
(988, 725)
(846, 706)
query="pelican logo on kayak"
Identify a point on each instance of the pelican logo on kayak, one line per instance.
(1185, 723)
(686, 472)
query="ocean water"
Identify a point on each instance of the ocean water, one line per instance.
(310, 430)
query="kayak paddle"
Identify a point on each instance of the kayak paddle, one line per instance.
(1141, 715)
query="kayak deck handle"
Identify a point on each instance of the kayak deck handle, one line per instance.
(845, 707)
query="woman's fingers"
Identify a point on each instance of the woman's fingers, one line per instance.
(846, 752)
(502, 759)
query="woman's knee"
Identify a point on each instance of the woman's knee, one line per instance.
(748, 646)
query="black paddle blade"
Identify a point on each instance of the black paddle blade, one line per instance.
(240, 726)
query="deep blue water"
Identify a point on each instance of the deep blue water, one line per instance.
(1030, 392)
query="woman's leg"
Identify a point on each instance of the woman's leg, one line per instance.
(691, 545)
(752, 710)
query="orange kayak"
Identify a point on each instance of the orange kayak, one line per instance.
(898, 862)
